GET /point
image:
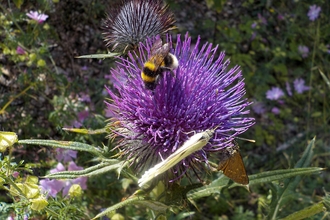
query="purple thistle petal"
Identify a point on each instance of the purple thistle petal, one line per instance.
(202, 95)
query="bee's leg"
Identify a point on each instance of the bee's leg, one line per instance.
(172, 73)
(170, 70)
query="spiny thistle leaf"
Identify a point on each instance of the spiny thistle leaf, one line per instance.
(64, 144)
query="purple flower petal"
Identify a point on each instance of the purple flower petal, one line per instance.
(65, 155)
(20, 50)
(276, 110)
(274, 93)
(51, 186)
(258, 107)
(59, 168)
(73, 166)
(299, 85)
(314, 12)
(303, 50)
(288, 88)
(34, 15)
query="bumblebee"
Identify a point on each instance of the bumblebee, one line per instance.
(160, 60)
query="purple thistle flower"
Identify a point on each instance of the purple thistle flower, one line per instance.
(274, 93)
(202, 95)
(314, 12)
(34, 15)
(303, 50)
(299, 85)
(133, 21)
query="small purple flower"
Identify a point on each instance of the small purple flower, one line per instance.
(313, 12)
(288, 88)
(253, 36)
(81, 118)
(84, 97)
(303, 50)
(254, 25)
(274, 93)
(20, 50)
(258, 107)
(280, 17)
(34, 15)
(82, 181)
(51, 186)
(59, 168)
(73, 166)
(55, 186)
(204, 94)
(262, 19)
(275, 110)
(15, 174)
(65, 155)
(328, 48)
(299, 85)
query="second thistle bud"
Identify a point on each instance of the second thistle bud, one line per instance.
(134, 21)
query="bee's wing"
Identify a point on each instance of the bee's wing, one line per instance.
(156, 47)
(159, 52)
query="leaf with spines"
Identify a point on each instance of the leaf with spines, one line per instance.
(98, 56)
(64, 144)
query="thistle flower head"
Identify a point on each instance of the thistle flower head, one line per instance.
(202, 95)
(133, 21)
